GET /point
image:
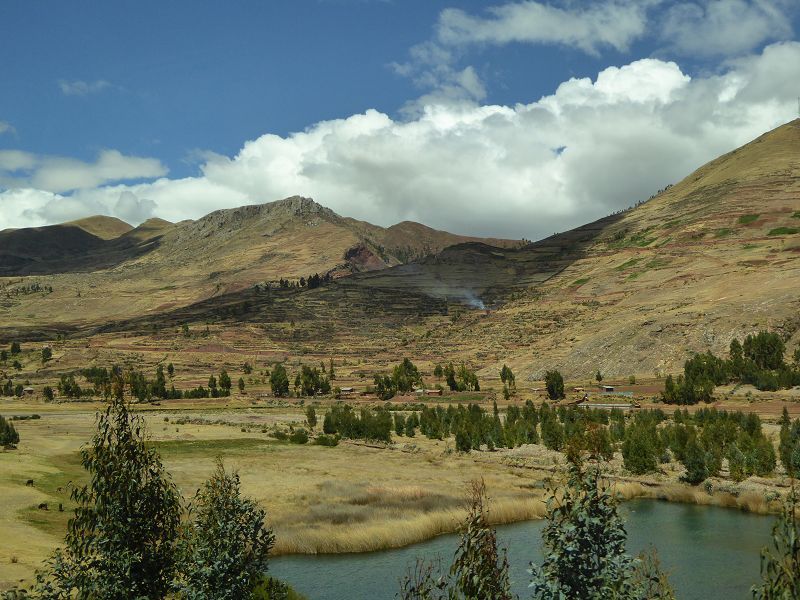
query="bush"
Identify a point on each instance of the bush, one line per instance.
(327, 440)
(299, 436)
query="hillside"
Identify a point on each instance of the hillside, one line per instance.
(106, 228)
(711, 258)
(160, 266)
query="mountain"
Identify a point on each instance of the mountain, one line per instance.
(713, 257)
(106, 228)
(159, 266)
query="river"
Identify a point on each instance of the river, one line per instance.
(710, 553)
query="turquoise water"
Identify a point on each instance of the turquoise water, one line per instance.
(711, 554)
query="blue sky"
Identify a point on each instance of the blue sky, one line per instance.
(177, 108)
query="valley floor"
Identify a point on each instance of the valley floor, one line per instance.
(351, 498)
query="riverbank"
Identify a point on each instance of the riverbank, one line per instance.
(355, 497)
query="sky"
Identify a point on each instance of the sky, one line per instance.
(508, 119)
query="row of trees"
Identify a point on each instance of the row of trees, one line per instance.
(106, 382)
(646, 439)
(367, 424)
(309, 381)
(759, 361)
(9, 388)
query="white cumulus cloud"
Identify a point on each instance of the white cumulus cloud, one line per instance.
(60, 174)
(593, 146)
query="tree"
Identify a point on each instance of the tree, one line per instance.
(121, 543)
(15, 348)
(171, 370)
(555, 385)
(479, 570)
(225, 383)
(694, 461)
(227, 542)
(584, 543)
(640, 449)
(598, 376)
(331, 373)
(789, 446)
(3, 355)
(9, 437)
(279, 381)
(311, 417)
(437, 371)
(48, 394)
(507, 376)
(241, 385)
(737, 463)
(411, 423)
(405, 376)
(780, 568)
(212, 385)
(47, 354)
(765, 350)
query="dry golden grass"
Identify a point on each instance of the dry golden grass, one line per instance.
(351, 498)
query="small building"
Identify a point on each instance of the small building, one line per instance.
(347, 391)
(579, 389)
(28, 390)
(433, 392)
(607, 388)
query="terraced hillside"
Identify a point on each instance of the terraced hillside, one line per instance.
(159, 267)
(711, 258)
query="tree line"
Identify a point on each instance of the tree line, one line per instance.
(758, 361)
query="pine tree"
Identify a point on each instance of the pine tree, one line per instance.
(555, 385)
(694, 461)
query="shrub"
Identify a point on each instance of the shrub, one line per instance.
(299, 436)
(327, 440)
